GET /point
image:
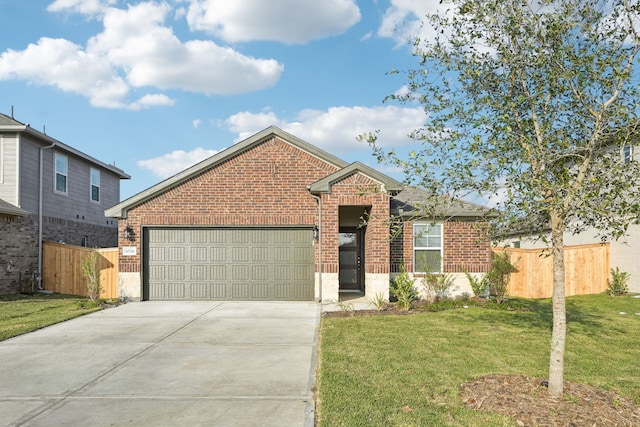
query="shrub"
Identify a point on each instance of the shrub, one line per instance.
(91, 270)
(379, 301)
(479, 286)
(499, 275)
(402, 288)
(438, 285)
(346, 307)
(617, 285)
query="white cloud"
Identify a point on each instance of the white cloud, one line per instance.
(196, 123)
(335, 130)
(147, 101)
(402, 21)
(85, 7)
(287, 21)
(135, 50)
(174, 162)
(63, 64)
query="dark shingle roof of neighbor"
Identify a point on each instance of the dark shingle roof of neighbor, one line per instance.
(8, 209)
(411, 201)
(12, 125)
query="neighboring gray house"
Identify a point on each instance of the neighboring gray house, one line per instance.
(623, 252)
(43, 181)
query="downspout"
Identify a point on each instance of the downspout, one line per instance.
(40, 191)
(319, 242)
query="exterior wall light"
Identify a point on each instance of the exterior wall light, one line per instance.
(129, 234)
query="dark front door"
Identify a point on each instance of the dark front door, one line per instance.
(351, 259)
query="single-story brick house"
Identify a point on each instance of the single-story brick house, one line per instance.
(275, 218)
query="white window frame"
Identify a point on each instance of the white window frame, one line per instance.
(56, 172)
(92, 184)
(432, 248)
(627, 156)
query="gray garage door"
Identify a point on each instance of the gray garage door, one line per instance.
(271, 264)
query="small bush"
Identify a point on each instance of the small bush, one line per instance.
(438, 285)
(617, 285)
(379, 301)
(478, 286)
(91, 270)
(402, 287)
(499, 275)
(346, 307)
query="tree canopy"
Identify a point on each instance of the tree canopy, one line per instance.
(530, 105)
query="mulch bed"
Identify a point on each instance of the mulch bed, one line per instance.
(528, 403)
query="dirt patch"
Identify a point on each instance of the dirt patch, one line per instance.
(526, 401)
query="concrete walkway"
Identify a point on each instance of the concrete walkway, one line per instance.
(166, 364)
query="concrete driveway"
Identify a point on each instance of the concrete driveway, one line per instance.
(166, 364)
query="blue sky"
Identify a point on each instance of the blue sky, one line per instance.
(156, 86)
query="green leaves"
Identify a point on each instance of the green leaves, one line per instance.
(520, 98)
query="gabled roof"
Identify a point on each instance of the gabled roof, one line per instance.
(8, 124)
(120, 210)
(324, 185)
(412, 201)
(8, 209)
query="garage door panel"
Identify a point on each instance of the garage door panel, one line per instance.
(259, 272)
(241, 254)
(229, 264)
(259, 291)
(301, 273)
(293, 292)
(218, 254)
(176, 272)
(157, 272)
(200, 291)
(218, 290)
(175, 254)
(199, 272)
(199, 253)
(219, 272)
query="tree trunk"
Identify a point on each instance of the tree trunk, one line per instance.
(559, 331)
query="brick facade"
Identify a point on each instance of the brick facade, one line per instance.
(73, 232)
(20, 246)
(466, 247)
(275, 182)
(266, 185)
(356, 190)
(20, 243)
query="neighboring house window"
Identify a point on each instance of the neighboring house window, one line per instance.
(95, 185)
(62, 166)
(627, 153)
(84, 241)
(427, 247)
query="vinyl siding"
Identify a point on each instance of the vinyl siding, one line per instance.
(76, 204)
(8, 168)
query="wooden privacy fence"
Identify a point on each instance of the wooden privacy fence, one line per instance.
(586, 271)
(62, 269)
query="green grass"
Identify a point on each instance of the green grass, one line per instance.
(20, 313)
(371, 367)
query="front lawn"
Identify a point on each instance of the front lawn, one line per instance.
(407, 370)
(20, 313)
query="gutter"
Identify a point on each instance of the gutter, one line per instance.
(319, 242)
(40, 191)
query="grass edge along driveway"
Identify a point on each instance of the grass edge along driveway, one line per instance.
(407, 370)
(21, 313)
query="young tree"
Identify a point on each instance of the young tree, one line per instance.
(531, 102)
